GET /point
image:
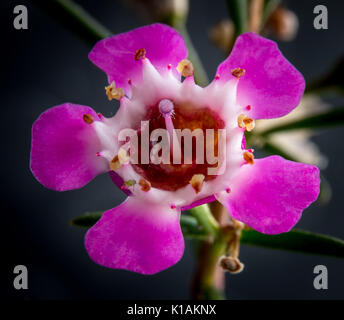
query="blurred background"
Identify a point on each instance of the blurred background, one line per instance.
(47, 65)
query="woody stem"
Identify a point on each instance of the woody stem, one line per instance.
(209, 279)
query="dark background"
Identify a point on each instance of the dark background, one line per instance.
(47, 65)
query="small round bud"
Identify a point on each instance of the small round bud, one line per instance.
(232, 265)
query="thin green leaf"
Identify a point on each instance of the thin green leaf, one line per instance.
(238, 11)
(75, 18)
(189, 224)
(297, 241)
(87, 220)
(334, 117)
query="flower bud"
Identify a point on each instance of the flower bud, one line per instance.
(161, 10)
(221, 34)
(283, 23)
(232, 265)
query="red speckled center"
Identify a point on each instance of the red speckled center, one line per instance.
(175, 176)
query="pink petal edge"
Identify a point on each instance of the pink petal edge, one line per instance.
(63, 152)
(141, 238)
(272, 86)
(115, 55)
(270, 195)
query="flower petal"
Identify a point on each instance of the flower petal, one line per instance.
(115, 55)
(135, 236)
(271, 84)
(64, 147)
(119, 182)
(197, 203)
(270, 195)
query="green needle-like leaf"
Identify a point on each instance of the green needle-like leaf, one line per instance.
(238, 12)
(87, 220)
(189, 224)
(334, 117)
(75, 18)
(297, 241)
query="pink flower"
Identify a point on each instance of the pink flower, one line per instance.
(71, 144)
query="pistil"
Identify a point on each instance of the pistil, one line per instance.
(166, 108)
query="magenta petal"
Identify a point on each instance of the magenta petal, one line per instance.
(115, 55)
(135, 236)
(270, 195)
(271, 85)
(119, 182)
(199, 203)
(64, 147)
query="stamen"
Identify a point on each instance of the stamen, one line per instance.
(228, 190)
(186, 68)
(145, 185)
(238, 72)
(118, 160)
(140, 54)
(248, 108)
(123, 156)
(115, 164)
(173, 206)
(248, 157)
(197, 182)
(246, 122)
(88, 118)
(114, 93)
(217, 77)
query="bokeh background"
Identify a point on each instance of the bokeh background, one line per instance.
(47, 65)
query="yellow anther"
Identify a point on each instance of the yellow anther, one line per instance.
(114, 93)
(185, 67)
(119, 159)
(123, 156)
(238, 72)
(197, 182)
(115, 164)
(145, 185)
(246, 122)
(248, 157)
(88, 118)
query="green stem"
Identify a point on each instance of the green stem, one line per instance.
(209, 278)
(84, 18)
(206, 219)
(238, 11)
(217, 250)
